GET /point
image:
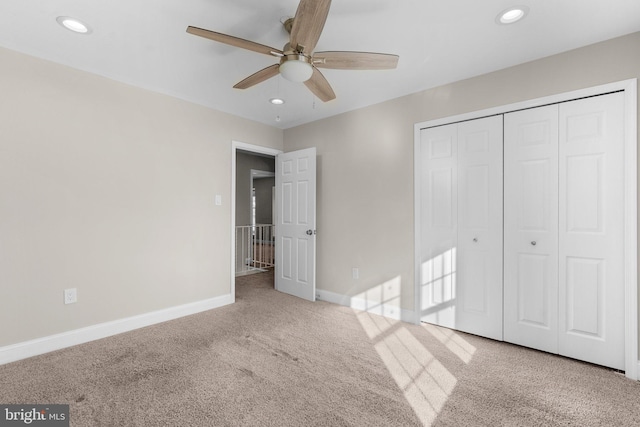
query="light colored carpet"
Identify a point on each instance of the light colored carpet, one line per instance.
(275, 360)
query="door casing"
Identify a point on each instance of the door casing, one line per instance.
(235, 146)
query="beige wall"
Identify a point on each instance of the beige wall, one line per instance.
(365, 179)
(264, 199)
(244, 163)
(108, 189)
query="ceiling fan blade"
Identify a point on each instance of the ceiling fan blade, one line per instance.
(259, 77)
(320, 87)
(234, 41)
(355, 60)
(308, 24)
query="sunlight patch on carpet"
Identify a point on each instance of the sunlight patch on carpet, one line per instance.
(376, 326)
(424, 380)
(454, 342)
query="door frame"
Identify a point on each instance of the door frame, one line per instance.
(630, 90)
(257, 149)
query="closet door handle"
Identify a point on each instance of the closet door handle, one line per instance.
(533, 243)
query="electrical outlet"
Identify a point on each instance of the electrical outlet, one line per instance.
(70, 296)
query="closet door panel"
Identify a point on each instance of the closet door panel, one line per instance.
(531, 228)
(591, 274)
(439, 199)
(479, 296)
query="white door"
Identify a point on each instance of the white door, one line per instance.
(564, 257)
(591, 241)
(531, 228)
(295, 271)
(479, 254)
(439, 200)
(461, 260)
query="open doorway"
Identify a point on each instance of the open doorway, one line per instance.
(254, 213)
(263, 194)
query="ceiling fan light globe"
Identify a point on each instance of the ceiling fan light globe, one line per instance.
(296, 70)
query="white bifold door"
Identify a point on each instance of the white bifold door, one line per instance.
(461, 226)
(563, 238)
(531, 228)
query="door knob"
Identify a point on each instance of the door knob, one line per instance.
(475, 239)
(310, 232)
(533, 243)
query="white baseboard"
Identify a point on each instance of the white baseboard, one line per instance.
(23, 350)
(361, 304)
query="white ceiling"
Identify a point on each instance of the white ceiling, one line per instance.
(144, 43)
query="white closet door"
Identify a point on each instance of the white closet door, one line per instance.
(531, 228)
(591, 230)
(439, 199)
(479, 264)
(461, 261)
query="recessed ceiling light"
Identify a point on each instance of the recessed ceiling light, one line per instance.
(73, 24)
(512, 15)
(276, 101)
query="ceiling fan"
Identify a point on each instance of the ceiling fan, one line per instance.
(298, 62)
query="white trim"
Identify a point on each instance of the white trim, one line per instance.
(624, 85)
(631, 229)
(235, 146)
(258, 149)
(631, 194)
(417, 227)
(23, 350)
(362, 304)
(257, 174)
